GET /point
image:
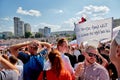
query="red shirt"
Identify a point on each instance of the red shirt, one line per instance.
(65, 75)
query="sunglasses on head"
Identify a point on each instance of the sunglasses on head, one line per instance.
(92, 55)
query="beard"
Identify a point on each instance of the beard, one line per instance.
(90, 61)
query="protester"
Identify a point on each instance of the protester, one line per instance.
(62, 46)
(71, 56)
(10, 73)
(6, 58)
(81, 58)
(57, 71)
(104, 50)
(112, 71)
(100, 59)
(115, 53)
(76, 52)
(14, 61)
(90, 69)
(33, 63)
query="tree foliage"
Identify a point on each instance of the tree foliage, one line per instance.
(38, 35)
(28, 34)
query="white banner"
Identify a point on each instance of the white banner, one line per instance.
(94, 30)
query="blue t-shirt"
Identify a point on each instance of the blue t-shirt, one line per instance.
(33, 64)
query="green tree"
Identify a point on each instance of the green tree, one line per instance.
(38, 35)
(57, 35)
(67, 35)
(3, 37)
(74, 36)
(28, 34)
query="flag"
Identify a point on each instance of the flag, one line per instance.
(82, 20)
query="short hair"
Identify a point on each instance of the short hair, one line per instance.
(89, 48)
(117, 38)
(35, 46)
(61, 41)
(13, 59)
(5, 56)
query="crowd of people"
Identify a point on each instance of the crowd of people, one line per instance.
(36, 60)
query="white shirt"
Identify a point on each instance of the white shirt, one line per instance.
(47, 65)
(77, 53)
(20, 68)
(67, 64)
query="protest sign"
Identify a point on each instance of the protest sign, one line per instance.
(94, 30)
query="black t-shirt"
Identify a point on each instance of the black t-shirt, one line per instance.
(72, 59)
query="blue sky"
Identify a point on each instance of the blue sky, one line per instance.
(59, 15)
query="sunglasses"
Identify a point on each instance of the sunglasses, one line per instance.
(92, 55)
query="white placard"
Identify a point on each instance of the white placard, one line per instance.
(94, 30)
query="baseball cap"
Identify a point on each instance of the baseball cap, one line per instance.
(117, 38)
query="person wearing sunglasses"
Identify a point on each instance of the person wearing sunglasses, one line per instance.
(90, 69)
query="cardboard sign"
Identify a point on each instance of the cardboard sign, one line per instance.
(94, 30)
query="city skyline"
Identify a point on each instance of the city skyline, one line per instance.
(59, 15)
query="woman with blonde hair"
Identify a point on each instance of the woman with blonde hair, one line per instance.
(57, 71)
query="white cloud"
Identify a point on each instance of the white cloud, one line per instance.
(57, 11)
(6, 19)
(67, 27)
(29, 12)
(60, 11)
(4, 27)
(97, 18)
(69, 24)
(71, 21)
(94, 11)
(6, 24)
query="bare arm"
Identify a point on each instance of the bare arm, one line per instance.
(46, 45)
(14, 48)
(8, 64)
(79, 69)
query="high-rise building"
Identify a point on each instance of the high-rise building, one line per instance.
(27, 27)
(16, 21)
(18, 27)
(21, 29)
(47, 31)
(41, 31)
